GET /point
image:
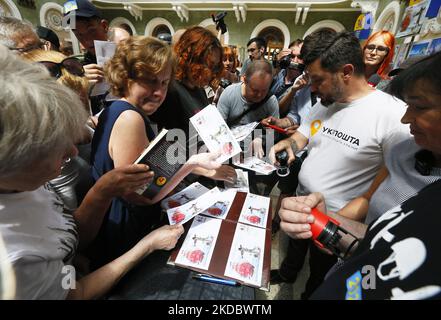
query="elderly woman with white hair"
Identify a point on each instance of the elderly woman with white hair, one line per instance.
(40, 122)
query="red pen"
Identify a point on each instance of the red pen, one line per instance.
(276, 128)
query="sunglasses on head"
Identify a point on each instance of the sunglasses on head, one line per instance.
(71, 65)
(372, 47)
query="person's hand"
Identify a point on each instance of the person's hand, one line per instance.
(280, 146)
(257, 147)
(224, 173)
(300, 82)
(272, 120)
(94, 73)
(164, 238)
(123, 181)
(291, 129)
(206, 160)
(283, 53)
(295, 214)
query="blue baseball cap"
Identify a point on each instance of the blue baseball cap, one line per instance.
(81, 8)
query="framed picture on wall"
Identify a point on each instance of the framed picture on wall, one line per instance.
(400, 54)
(413, 18)
(418, 49)
(435, 46)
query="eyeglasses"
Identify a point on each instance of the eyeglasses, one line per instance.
(27, 49)
(372, 47)
(71, 65)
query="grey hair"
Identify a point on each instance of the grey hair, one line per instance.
(11, 27)
(38, 116)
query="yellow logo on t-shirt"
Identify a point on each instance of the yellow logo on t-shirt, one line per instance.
(315, 127)
(160, 181)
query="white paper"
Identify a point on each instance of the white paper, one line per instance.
(255, 164)
(255, 210)
(182, 197)
(245, 261)
(215, 133)
(241, 132)
(182, 214)
(198, 246)
(241, 183)
(104, 51)
(222, 205)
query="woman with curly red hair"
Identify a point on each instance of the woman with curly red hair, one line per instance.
(378, 52)
(199, 62)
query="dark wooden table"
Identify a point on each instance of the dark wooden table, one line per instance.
(153, 279)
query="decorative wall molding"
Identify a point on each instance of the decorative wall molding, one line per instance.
(302, 9)
(51, 16)
(121, 20)
(152, 24)
(335, 25)
(8, 6)
(182, 11)
(273, 23)
(389, 19)
(240, 10)
(134, 10)
(366, 6)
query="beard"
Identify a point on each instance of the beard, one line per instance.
(335, 95)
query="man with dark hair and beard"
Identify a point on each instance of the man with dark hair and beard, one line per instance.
(346, 134)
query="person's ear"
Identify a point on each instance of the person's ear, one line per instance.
(348, 71)
(105, 25)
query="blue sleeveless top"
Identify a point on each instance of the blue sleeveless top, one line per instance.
(124, 224)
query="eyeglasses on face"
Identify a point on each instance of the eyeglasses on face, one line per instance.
(28, 48)
(71, 65)
(372, 47)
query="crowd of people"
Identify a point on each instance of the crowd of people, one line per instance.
(362, 143)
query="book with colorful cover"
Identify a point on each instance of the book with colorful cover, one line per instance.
(161, 157)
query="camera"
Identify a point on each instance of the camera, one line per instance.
(224, 83)
(219, 21)
(282, 158)
(286, 63)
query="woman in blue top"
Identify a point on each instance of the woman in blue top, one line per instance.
(138, 73)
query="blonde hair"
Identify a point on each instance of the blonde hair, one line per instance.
(135, 59)
(38, 116)
(78, 84)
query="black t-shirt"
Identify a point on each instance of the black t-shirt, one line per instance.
(400, 257)
(179, 106)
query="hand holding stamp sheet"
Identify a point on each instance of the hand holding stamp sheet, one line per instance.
(215, 133)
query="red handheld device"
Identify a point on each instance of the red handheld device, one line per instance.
(276, 128)
(327, 233)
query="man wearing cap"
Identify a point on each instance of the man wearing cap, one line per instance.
(88, 25)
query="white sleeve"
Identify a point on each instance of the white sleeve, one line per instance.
(39, 279)
(305, 126)
(393, 137)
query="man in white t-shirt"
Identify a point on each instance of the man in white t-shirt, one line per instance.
(346, 134)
